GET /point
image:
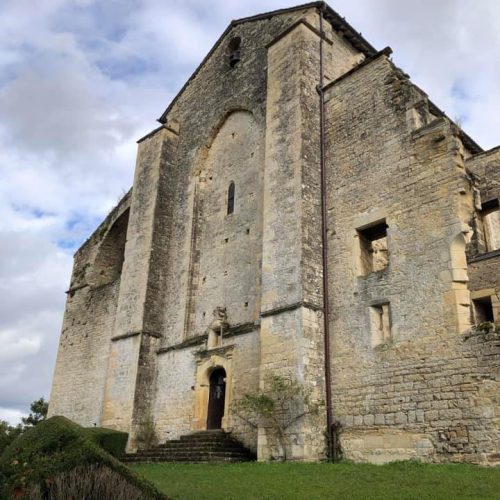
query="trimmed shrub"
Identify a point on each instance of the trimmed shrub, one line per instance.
(57, 459)
(87, 482)
(114, 442)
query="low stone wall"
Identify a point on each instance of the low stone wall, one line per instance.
(437, 406)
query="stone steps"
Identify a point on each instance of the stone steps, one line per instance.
(201, 447)
(190, 449)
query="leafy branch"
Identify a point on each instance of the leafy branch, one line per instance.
(277, 407)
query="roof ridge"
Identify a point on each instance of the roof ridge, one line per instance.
(339, 23)
(276, 12)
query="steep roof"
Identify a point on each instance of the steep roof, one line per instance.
(339, 23)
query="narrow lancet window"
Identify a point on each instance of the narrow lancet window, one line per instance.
(230, 199)
(380, 324)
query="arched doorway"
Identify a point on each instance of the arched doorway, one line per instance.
(216, 399)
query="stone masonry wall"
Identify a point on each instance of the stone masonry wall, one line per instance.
(291, 326)
(486, 167)
(176, 398)
(134, 348)
(82, 360)
(131, 371)
(210, 108)
(425, 392)
(484, 265)
(200, 112)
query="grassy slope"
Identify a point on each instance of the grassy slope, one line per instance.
(398, 481)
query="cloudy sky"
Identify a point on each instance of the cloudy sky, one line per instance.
(81, 80)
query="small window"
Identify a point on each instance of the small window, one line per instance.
(490, 215)
(230, 198)
(482, 310)
(374, 254)
(380, 324)
(234, 51)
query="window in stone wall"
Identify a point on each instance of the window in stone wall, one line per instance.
(374, 254)
(230, 198)
(380, 324)
(482, 309)
(490, 216)
(234, 51)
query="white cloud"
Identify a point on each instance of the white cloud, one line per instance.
(81, 80)
(443, 45)
(12, 416)
(14, 347)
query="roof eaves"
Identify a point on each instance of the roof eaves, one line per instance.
(272, 13)
(354, 37)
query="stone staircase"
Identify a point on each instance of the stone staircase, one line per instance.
(201, 447)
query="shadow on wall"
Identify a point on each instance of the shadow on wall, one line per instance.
(109, 260)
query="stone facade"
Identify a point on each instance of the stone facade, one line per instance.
(215, 259)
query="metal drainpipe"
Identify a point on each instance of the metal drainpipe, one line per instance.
(324, 241)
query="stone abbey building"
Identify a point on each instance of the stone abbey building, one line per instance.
(302, 209)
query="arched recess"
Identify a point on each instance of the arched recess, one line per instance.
(109, 260)
(206, 366)
(226, 201)
(459, 296)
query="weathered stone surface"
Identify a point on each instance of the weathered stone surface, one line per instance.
(409, 203)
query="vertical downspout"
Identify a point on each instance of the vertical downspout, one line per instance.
(324, 242)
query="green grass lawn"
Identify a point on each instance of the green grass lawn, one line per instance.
(399, 480)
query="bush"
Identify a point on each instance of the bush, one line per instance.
(45, 461)
(114, 442)
(281, 404)
(8, 433)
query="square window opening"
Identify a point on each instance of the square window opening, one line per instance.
(482, 310)
(374, 253)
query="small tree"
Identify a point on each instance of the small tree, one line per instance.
(280, 405)
(8, 433)
(38, 413)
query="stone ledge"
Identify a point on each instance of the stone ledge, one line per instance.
(290, 307)
(75, 288)
(134, 334)
(220, 350)
(232, 331)
(484, 256)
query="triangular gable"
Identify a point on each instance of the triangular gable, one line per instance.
(337, 22)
